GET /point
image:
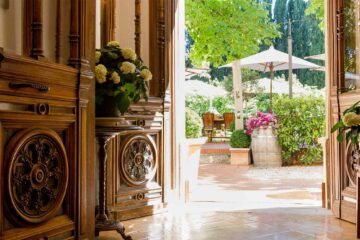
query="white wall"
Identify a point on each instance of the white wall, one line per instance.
(11, 27)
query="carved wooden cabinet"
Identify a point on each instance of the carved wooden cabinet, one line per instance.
(39, 160)
(135, 165)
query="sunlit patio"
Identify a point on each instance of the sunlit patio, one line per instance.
(230, 202)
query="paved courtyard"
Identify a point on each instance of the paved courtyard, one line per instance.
(241, 188)
(230, 202)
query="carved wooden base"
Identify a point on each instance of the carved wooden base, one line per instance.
(104, 133)
(111, 225)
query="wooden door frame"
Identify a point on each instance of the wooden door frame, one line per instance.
(343, 194)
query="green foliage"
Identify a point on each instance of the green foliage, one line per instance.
(302, 123)
(247, 75)
(224, 31)
(308, 38)
(239, 139)
(317, 8)
(201, 104)
(193, 124)
(115, 82)
(197, 103)
(349, 124)
(224, 104)
(232, 126)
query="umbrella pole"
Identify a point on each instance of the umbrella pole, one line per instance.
(271, 79)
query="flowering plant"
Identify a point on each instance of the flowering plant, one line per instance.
(121, 76)
(261, 120)
(349, 121)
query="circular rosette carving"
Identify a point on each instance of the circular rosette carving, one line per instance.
(138, 160)
(36, 175)
(353, 159)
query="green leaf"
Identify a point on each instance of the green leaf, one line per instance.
(338, 125)
(340, 138)
(122, 102)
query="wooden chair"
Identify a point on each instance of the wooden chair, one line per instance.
(229, 117)
(208, 121)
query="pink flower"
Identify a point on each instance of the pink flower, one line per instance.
(260, 120)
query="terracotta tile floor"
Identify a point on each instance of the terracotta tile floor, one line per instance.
(234, 203)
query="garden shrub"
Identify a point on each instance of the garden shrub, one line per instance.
(239, 139)
(197, 103)
(193, 124)
(302, 123)
(223, 104)
(232, 126)
(201, 104)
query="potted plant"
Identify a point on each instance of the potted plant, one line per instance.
(266, 150)
(349, 123)
(240, 151)
(121, 79)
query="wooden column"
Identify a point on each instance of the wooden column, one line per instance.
(58, 31)
(82, 51)
(36, 29)
(161, 46)
(107, 21)
(340, 43)
(138, 27)
(74, 37)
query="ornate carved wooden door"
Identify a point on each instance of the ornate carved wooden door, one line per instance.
(344, 91)
(46, 138)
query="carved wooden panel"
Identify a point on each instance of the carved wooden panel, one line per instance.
(352, 161)
(38, 141)
(138, 160)
(36, 175)
(136, 180)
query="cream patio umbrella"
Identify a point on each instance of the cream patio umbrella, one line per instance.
(196, 87)
(273, 60)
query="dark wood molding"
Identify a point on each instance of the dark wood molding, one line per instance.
(161, 45)
(27, 13)
(107, 21)
(36, 51)
(58, 31)
(74, 37)
(138, 27)
(5, 4)
(1, 55)
(340, 21)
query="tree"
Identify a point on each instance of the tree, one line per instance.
(308, 39)
(247, 75)
(224, 31)
(317, 8)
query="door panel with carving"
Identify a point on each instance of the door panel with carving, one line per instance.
(343, 72)
(45, 135)
(136, 180)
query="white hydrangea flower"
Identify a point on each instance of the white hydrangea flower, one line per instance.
(146, 74)
(127, 67)
(100, 73)
(128, 53)
(97, 56)
(115, 78)
(113, 44)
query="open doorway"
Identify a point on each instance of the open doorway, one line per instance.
(276, 97)
(292, 101)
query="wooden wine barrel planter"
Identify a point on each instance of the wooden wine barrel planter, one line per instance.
(265, 148)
